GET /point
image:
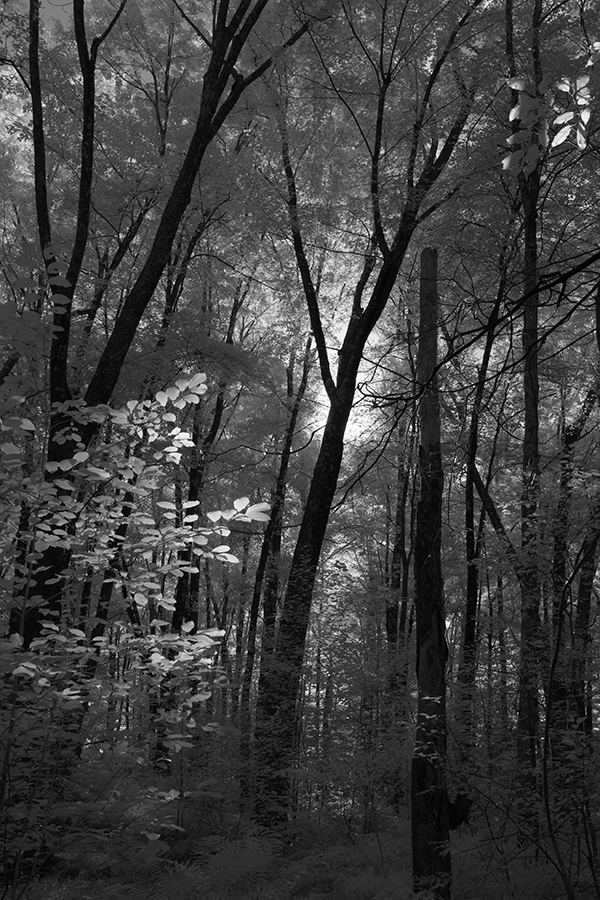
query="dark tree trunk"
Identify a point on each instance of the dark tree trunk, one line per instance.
(430, 808)
(531, 643)
(220, 92)
(266, 579)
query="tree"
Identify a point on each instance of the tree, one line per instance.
(381, 264)
(222, 87)
(430, 808)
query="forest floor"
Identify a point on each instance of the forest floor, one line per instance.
(365, 867)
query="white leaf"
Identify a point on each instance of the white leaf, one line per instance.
(162, 398)
(188, 626)
(228, 557)
(561, 136)
(99, 473)
(259, 512)
(564, 117)
(241, 504)
(214, 516)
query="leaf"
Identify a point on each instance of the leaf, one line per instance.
(561, 136)
(98, 473)
(522, 135)
(228, 557)
(517, 84)
(259, 512)
(214, 516)
(162, 398)
(241, 504)
(64, 485)
(197, 380)
(564, 117)
(9, 448)
(24, 284)
(188, 626)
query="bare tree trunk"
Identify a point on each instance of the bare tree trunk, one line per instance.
(430, 811)
(531, 645)
(266, 576)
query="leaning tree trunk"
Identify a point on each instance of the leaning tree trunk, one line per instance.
(430, 811)
(220, 92)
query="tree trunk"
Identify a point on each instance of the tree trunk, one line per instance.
(267, 574)
(430, 809)
(531, 643)
(277, 710)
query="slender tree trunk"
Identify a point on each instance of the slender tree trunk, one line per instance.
(529, 189)
(430, 810)
(266, 579)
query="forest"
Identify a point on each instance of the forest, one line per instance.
(299, 460)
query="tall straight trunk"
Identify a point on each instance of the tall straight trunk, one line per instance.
(562, 708)
(529, 190)
(432, 867)
(266, 575)
(468, 659)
